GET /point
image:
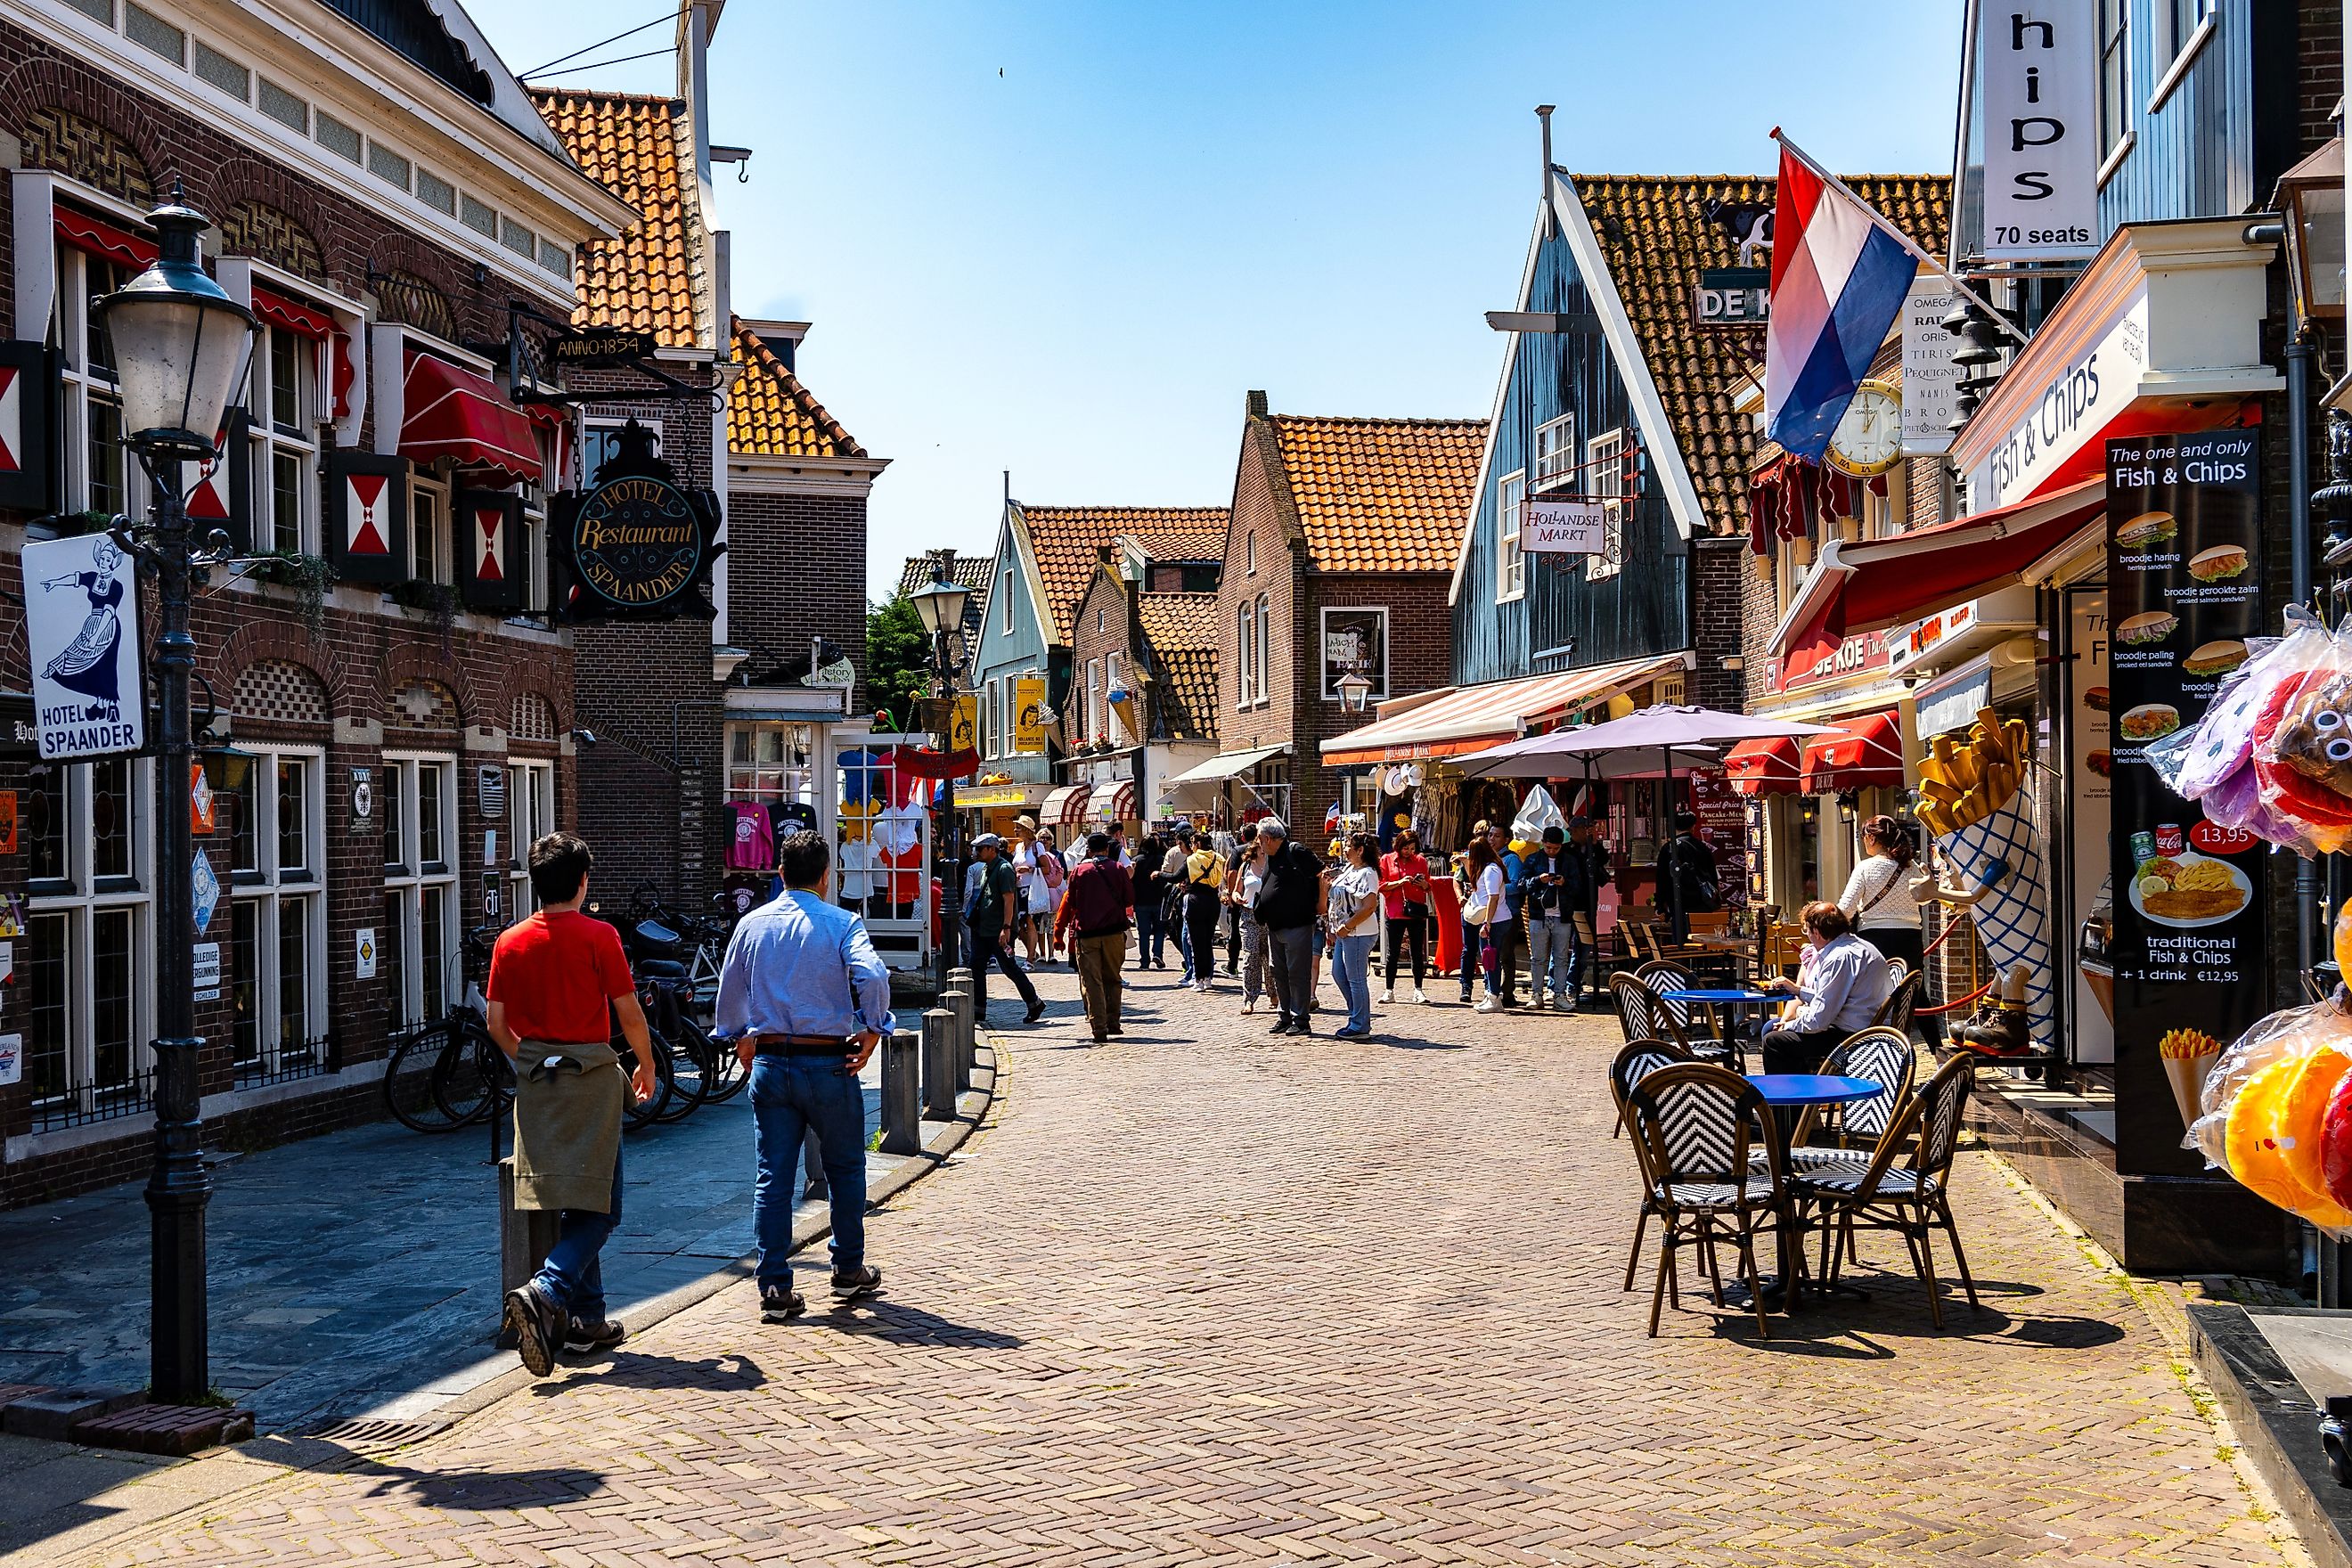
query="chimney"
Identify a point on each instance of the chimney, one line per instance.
(1257, 405)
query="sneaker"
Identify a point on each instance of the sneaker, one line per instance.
(1388, 995)
(1538, 1004)
(1485, 1005)
(1417, 995)
(777, 1306)
(1281, 1024)
(1351, 1033)
(600, 1335)
(537, 1324)
(1036, 1011)
(864, 1282)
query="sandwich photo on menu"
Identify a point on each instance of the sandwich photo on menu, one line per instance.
(2223, 560)
(2148, 530)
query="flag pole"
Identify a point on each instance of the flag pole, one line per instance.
(1879, 221)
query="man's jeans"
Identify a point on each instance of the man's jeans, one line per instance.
(1351, 967)
(789, 1095)
(573, 1274)
(1290, 963)
(989, 948)
(1551, 963)
(1151, 938)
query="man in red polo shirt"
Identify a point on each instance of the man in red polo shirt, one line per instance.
(558, 980)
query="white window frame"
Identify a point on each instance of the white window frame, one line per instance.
(1510, 560)
(1265, 648)
(1004, 593)
(1245, 626)
(531, 817)
(428, 527)
(411, 879)
(1556, 455)
(1604, 459)
(80, 899)
(1249, 554)
(2111, 95)
(296, 443)
(594, 431)
(1330, 692)
(1095, 730)
(782, 774)
(270, 891)
(86, 386)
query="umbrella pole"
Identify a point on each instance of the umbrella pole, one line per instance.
(1675, 925)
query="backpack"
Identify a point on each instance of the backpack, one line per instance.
(1050, 862)
(1702, 895)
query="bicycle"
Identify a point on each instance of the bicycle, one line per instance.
(465, 1070)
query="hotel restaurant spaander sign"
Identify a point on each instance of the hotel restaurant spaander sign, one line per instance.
(635, 545)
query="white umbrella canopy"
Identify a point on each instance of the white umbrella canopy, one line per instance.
(1665, 727)
(1531, 759)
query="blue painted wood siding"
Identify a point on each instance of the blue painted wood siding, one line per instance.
(1003, 654)
(2194, 156)
(1563, 621)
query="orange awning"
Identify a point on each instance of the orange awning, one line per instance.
(1866, 753)
(1474, 718)
(448, 411)
(1767, 765)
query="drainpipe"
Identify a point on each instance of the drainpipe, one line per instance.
(2300, 349)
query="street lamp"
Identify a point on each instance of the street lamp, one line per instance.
(940, 609)
(181, 347)
(1354, 691)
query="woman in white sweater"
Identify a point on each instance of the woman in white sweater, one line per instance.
(1877, 897)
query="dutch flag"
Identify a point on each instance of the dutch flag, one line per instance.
(1838, 277)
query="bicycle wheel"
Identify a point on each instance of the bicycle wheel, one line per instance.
(636, 1113)
(689, 1078)
(408, 1080)
(725, 1077)
(471, 1079)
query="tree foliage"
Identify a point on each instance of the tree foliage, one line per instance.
(897, 659)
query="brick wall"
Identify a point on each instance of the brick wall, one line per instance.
(796, 568)
(1104, 601)
(1718, 620)
(2319, 71)
(1263, 513)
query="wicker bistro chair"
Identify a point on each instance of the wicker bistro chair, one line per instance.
(1642, 1016)
(1889, 1192)
(1902, 1003)
(1880, 1055)
(1637, 1061)
(1693, 1125)
(1661, 976)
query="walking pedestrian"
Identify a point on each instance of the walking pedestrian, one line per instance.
(1235, 847)
(1878, 898)
(1508, 934)
(1482, 913)
(1404, 909)
(1150, 934)
(1349, 908)
(1548, 878)
(805, 999)
(1028, 887)
(1248, 877)
(1097, 907)
(1169, 878)
(992, 916)
(1052, 875)
(558, 980)
(1289, 897)
(1204, 881)
(1590, 857)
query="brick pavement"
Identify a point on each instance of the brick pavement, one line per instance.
(1207, 1296)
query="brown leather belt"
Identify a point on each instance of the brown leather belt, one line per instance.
(798, 1045)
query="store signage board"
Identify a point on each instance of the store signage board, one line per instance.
(1826, 660)
(1029, 715)
(2038, 63)
(600, 348)
(2189, 945)
(2071, 410)
(1722, 813)
(2090, 760)
(81, 635)
(1930, 379)
(1733, 296)
(638, 545)
(206, 975)
(1564, 528)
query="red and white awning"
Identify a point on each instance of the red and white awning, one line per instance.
(1765, 765)
(1866, 753)
(1118, 804)
(1474, 718)
(448, 411)
(1066, 807)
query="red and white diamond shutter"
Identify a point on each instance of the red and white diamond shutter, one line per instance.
(494, 567)
(28, 380)
(367, 505)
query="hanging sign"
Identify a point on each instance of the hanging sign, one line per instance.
(81, 634)
(638, 546)
(2039, 63)
(2190, 944)
(1930, 379)
(1733, 296)
(598, 348)
(1564, 528)
(1028, 715)
(965, 726)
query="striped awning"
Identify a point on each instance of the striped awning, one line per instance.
(1474, 718)
(1116, 804)
(1066, 807)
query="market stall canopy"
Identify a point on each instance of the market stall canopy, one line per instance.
(1224, 765)
(1477, 718)
(1667, 727)
(1860, 753)
(1860, 586)
(1765, 765)
(1065, 806)
(1528, 759)
(449, 411)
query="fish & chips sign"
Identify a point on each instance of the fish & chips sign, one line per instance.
(81, 631)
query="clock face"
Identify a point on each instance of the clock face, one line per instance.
(1869, 439)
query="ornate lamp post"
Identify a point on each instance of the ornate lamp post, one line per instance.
(181, 349)
(940, 609)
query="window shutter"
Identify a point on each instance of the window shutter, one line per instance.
(491, 559)
(223, 499)
(28, 428)
(367, 516)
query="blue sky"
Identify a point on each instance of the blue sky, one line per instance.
(1067, 240)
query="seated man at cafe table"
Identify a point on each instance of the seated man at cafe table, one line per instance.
(1841, 991)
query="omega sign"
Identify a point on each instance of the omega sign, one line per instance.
(636, 546)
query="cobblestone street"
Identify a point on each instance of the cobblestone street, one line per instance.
(1201, 1294)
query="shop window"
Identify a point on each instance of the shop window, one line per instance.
(84, 962)
(1556, 455)
(420, 885)
(2114, 75)
(531, 817)
(283, 402)
(1604, 471)
(97, 469)
(878, 845)
(277, 917)
(1510, 564)
(428, 531)
(600, 442)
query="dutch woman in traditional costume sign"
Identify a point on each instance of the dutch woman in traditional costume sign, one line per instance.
(87, 664)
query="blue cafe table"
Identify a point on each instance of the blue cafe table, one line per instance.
(1736, 1002)
(1788, 1093)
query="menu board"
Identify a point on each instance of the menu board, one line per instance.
(1722, 813)
(2184, 583)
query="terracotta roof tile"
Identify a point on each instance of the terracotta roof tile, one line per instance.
(1381, 495)
(641, 149)
(1169, 544)
(973, 571)
(1066, 540)
(1656, 234)
(771, 414)
(1181, 629)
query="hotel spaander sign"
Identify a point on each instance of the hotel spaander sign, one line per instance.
(635, 545)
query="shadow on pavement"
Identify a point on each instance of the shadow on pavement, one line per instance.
(897, 1323)
(482, 1489)
(626, 1369)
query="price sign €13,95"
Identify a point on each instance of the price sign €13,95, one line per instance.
(81, 631)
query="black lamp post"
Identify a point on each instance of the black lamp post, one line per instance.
(181, 349)
(940, 607)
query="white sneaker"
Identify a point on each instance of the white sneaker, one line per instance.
(1417, 995)
(1388, 997)
(1485, 1005)
(1537, 1006)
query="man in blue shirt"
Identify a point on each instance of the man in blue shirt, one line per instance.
(805, 999)
(1509, 934)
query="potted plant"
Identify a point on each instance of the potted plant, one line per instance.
(308, 576)
(436, 601)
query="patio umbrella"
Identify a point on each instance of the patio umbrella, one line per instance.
(1528, 759)
(1665, 729)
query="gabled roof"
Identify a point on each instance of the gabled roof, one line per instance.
(1064, 542)
(1654, 237)
(1168, 547)
(771, 414)
(1181, 629)
(1379, 495)
(654, 278)
(973, 572)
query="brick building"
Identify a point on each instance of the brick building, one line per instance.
(380, 189)
(1336, 559)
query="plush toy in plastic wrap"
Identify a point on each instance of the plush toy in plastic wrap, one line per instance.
(1974, 801)
(2273, 754)
(2277, 1111)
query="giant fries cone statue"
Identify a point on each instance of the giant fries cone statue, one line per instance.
(1975, 803)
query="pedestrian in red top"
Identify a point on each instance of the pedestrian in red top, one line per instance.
(1099, 904)
(558, 981)
(1404, 903)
